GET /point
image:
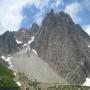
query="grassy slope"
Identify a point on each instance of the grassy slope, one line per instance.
(67, 88)
(6, 77)
(34, 85)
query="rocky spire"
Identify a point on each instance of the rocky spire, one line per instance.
(34, 29)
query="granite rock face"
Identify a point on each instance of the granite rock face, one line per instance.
(13, 41)
(34, 29)
(64, 45)
(4, 62)
(23, 35)
(7, 43)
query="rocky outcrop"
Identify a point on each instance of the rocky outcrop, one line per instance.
(23, 35)
(7, 43)
(64, 45)
(34, 29)
(4, 62)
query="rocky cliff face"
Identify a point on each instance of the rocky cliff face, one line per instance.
(4, 63)
(7, 43)
(34, 29)
(12, 41)
(59, 41)
(64, 45)
(23, 35)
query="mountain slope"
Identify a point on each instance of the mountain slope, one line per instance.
(7, 43)
(64, 46)
(61, 47)
(28, 62)
(34, 29)
(6, 77)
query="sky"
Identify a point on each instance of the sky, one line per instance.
(16, 14)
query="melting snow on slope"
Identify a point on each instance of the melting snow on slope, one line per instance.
(34, 51)
(89, 46)
(87, 82)
(32, 39)
(8, 59)
(18, 42)
(15, 73)
(3, 57)
(29, 42)
(18, 83)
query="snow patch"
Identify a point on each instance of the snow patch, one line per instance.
(18, 83)
(8, 59)
(32, 39)
(15, 73)
(89, 46)
(87, 82)
(18, 42)
(82, 63)
(3, 57)
(29, 42)
(34, 51)
(25, 44)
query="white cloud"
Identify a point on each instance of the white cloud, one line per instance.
(39, 17)
(87, 29)
(73, 9)
(45, 7)
(10, 12)
(56, 3)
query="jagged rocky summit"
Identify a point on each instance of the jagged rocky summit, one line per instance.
(10, 42)
(7, 43)
(61, 43)
(64, 46)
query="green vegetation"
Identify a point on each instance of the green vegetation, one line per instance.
(65, 87)
(6, 77)
(35, 85)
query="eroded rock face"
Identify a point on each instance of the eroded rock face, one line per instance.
(7, 43)
(4, 62)
(34, 29)
(64, 45)
(23, 35)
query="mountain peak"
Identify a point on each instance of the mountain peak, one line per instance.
(64, 18)
(7, 43)
(64, 46)
(52, 19)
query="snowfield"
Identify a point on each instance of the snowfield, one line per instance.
(18, 83)
(7, 59)
(29, 42)
(87, 82)
(18, 42)
(32, 39)
(34, 51)
(89, 46)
